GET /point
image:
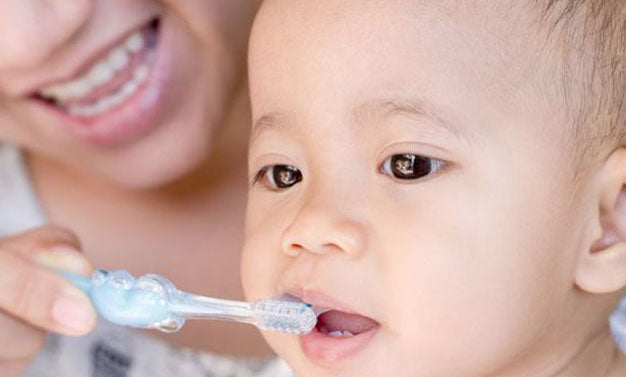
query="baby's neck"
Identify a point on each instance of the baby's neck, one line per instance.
(599, 357)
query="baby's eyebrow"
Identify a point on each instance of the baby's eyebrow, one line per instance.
(383, 109)
(370, 112)
(268, 121)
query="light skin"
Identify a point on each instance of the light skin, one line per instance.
(493, 261)
(169, 201)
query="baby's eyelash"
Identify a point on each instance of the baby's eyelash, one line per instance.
(411, 167)
(260, 175)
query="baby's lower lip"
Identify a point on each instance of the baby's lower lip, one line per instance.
(324, 348)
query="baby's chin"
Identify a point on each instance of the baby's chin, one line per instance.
(368, 369)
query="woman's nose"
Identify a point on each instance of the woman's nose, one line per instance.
(32, 30)
(323, 230)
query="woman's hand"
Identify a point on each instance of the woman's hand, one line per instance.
(33, 299)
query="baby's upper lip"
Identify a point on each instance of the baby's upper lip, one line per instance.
(321, 300)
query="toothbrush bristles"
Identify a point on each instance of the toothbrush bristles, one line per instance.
(284, 316)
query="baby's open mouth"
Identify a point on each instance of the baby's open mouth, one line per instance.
(338, 335)
(340, 324)
(109, 81)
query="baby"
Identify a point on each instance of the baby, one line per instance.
(447, 177)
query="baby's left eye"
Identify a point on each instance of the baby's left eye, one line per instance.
(410, 166)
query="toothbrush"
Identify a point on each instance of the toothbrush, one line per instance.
(152, 301)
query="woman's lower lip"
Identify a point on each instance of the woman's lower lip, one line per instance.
(136, 117)
(326, 349)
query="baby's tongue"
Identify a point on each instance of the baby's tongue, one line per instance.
(339, 321)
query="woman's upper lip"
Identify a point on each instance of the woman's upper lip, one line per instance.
(74, 66)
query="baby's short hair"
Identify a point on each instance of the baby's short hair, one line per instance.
(591, 35)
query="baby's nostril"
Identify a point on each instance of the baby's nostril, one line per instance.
(294, 249)
(332, 247)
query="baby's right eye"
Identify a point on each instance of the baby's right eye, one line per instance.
(278, 177)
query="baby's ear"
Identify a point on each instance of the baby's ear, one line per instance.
(602, 268)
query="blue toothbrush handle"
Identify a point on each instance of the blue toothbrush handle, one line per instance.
(152, 301)
(81, 282)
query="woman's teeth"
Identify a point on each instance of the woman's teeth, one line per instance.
(135, 52)
(106, 103)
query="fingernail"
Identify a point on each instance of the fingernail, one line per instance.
(73, 312)
(66, 259)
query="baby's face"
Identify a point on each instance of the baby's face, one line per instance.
(410, 172)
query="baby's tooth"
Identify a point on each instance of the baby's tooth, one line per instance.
(347, 334)
(100, 74)
(118, 59)
(336, 333)
(134, 43)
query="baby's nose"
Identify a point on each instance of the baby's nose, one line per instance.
(31, 30)
(322, 230)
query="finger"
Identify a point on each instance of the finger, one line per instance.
(42, 238)
(63, 258)
(42, 298)
(50, 246)
(14, 368)
(18, 340)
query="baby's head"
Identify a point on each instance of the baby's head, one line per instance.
(448, 171)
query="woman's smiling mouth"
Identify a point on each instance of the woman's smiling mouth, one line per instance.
(110, 80)
(113, 99)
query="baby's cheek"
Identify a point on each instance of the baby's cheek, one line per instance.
(457, 277)
(256, 262)
(256, 256)
(254, 272)
(262, 262)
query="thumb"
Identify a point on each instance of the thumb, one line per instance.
(66, 258)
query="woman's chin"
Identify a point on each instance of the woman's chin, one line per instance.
(155, 170)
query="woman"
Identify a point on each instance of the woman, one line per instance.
(124, 123)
